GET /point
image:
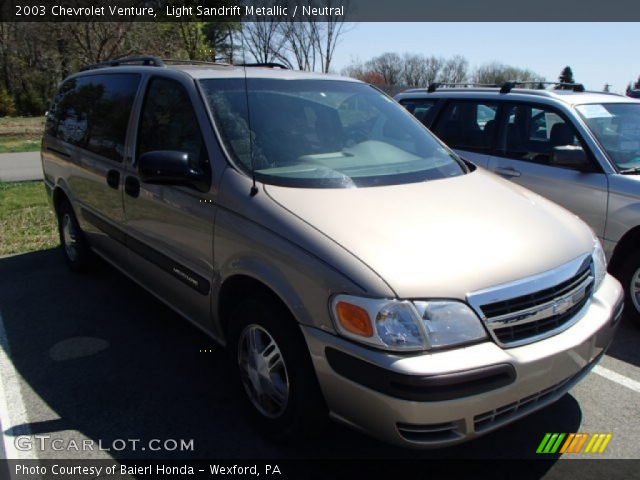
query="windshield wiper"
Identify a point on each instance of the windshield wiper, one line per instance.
(630, 171)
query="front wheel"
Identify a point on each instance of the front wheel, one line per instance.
(273, 370)
(630, 279)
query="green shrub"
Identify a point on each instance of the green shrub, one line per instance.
(7, 105)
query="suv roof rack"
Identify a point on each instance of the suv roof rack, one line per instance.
(149, 60)
(433, 86)
(265, 64)
(508, 86)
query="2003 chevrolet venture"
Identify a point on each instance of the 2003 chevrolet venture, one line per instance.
(350, 261)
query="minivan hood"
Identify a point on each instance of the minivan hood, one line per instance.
(443, 238)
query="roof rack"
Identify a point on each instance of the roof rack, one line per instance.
(149, 60)
(266, 64)
(153, 61)
(508, 86)
(177, 61)
(433, 86)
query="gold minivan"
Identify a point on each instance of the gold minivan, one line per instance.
(352, 263)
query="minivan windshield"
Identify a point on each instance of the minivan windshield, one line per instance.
(324, 133)
(617, 127)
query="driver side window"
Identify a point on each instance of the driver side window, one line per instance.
(530, 133)
(168, 122)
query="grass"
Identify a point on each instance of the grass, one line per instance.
(20, 134)
(18, 144)
(27, 222)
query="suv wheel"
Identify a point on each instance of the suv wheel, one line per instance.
(630, 279)
(74, 244)
(273, 370)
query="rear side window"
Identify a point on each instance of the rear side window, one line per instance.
(419, 108)
(467, 125)
(92, 112)
(169, 122)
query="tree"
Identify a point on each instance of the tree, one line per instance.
(36, 56)
(264, 40)
(636, 85)
(328, 33)
(454, 70)
(388, 65)
(496, 73)
(419, 70)
(566, 76)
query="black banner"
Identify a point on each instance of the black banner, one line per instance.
(319, 10)
(319, 469)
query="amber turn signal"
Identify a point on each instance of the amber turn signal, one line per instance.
(354, 319)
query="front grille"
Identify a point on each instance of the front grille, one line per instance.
(531, 329)
(494, 418)
(530, 317)
(489, 419)
(435, 432)
(512, 305)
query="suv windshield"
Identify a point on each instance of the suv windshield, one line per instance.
(617, 127)
(324, 133)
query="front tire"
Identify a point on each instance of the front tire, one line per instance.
(273, 372)
(75, 247)
(630, 279)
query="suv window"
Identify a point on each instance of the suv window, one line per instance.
(529, 133)
(419, 108)
(467, 125)
(168, 122)
(93, 112)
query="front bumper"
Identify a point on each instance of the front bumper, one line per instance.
(443, 398)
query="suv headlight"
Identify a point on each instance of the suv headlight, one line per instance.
(599, 263)
(401, 325)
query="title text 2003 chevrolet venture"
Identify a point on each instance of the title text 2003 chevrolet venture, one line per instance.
(350, 261)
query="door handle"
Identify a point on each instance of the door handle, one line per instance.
(132, 186)
(113, 178)
(507, 171)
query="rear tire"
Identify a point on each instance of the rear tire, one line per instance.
(630, 279)
(273, 372)
(75, 247)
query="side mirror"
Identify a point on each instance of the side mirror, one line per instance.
(570, 156)
(169, 167)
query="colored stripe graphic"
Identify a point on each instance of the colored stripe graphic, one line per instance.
(543, 443)
(550, 443)
(605, 443)
(567, 443)
(574, 442)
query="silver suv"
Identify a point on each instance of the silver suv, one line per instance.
(580, 149)
(350, 262)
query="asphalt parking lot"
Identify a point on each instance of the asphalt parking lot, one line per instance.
(95, 357)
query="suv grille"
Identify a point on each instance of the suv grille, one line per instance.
(530, 317)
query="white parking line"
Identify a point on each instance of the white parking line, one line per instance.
(10, 394)
(616, 377)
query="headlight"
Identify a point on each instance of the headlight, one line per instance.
(599, 263)
(406, 326)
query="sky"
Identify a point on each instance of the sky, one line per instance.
(598, 53)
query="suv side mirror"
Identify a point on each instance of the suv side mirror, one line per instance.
(170, 167)
(570, 156)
